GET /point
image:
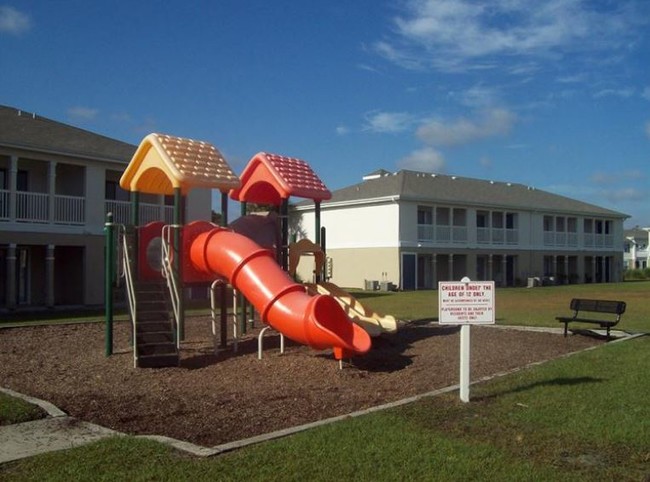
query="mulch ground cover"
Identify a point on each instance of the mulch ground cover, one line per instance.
(217, 397)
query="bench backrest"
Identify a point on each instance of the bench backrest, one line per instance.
(599, 306)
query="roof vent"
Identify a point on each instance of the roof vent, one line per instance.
(491, 182)
(508, 184)
(453, 178)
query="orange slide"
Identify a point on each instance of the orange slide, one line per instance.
(317, 321)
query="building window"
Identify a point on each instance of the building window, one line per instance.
(113, 192)
(425, 223)
(22, 180)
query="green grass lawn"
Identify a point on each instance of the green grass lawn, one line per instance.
(585, 417)
(14, 410)
(526, 306)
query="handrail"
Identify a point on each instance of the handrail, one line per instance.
(169, 275)
(127, 273)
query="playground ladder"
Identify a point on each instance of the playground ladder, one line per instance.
(155, 343)
(155, 337)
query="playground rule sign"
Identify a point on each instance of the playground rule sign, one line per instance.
(466, 302)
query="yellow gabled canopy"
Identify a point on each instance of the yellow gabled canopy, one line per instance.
(162, 163)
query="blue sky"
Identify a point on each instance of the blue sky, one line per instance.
(553, 94)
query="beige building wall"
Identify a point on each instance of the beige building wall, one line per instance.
(351, 267)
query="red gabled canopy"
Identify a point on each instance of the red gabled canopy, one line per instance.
(270, 178)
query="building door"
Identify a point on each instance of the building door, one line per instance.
(409, 271)
(425, 274)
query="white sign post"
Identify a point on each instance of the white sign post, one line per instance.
(465, 303)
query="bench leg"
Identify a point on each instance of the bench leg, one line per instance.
(566, 326)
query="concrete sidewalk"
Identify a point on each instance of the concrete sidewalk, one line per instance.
(46, 435)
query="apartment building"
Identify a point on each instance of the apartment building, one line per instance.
(636, 248)
(57, 183)
(414, 229)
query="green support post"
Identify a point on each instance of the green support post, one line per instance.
(319, 276)
(223, 311)
(284, 223)
(242, 301)
(109, 275)
(178, 265)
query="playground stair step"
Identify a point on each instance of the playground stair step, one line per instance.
(155, 332)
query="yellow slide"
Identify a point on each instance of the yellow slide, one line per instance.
(371, 321)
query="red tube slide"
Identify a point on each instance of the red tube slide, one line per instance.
(317, 321)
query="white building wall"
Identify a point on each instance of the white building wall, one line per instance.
(365, 226)
(198, 205)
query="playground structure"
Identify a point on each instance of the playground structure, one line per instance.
(159, 260)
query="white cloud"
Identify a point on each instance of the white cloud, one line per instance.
(12, 21)
(461, 34)
(82, 113)
(603, 178)
(489, 123)
(647, 129)
(478, 96)
(342, 130)
(646, 93)
(485, 162)
(624, 93)
(624, 194)
(426, 159)
(388, 122)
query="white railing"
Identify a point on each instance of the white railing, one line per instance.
(69, 209)
(483, 235)
(4, 204)
(512, 236)
(589, 240)
(121, 210)
(549, 238)
(498, 236)
(459, 234)
(443, 234)
(170, 276)
(148, 212)
(32, 207)
(425, 232)
(127, 272)
(572, 240)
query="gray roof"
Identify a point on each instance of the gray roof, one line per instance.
(636, 232)
(19, 129)
(454, 190)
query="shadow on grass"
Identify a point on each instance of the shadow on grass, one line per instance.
(555, 382)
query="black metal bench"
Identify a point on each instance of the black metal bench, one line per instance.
(580, 306)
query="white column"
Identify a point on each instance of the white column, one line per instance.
(11, 276)
(51, 190)
(434, 270)
(504, 266)
(49, 276)
(451, 266)
(13, 176)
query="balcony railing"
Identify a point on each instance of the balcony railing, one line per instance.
(148, 212)
(69, 210)
(32, 207)
(4, 205)
(425, 232)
